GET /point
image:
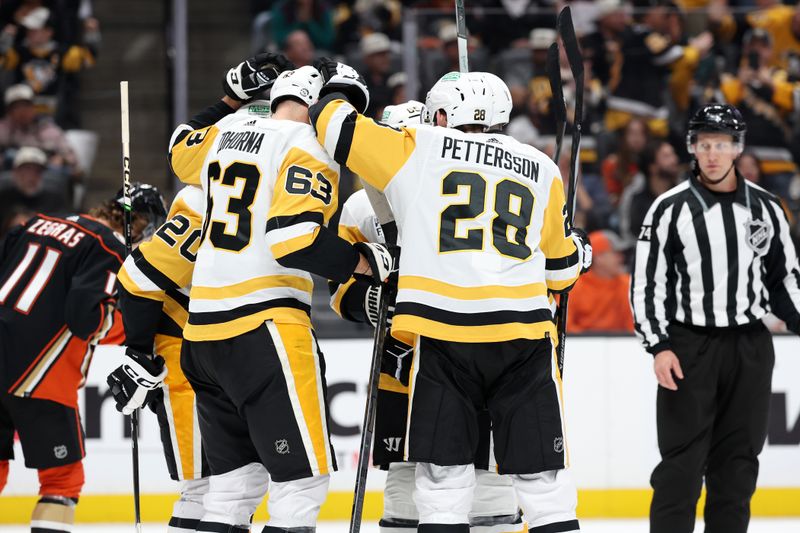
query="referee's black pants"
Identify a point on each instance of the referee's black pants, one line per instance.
(714, 425)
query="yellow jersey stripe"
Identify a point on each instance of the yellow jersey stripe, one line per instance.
(175, 311)
(325, 119)
(471, 293)
(300, 352)
(336, 300)
(125, 280)
(351, 234)
(409, 324)
(252, 285)
(391, 384)
(294, 244)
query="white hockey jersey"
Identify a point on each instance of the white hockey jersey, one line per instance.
(270, 188)
(481, 218)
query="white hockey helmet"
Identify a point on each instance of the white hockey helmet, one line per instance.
(303, 84)
(465, 98)
(407, 114)
(501, 100)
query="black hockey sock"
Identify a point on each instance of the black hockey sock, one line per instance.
(273, 529)
(219, 527)
(443, 528)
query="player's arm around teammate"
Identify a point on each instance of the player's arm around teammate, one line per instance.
(250, 353)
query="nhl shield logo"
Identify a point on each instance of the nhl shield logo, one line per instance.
(558, 444)
(282, 446)
(60, 451)
(757, 236)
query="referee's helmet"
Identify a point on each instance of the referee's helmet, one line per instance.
(717, 118)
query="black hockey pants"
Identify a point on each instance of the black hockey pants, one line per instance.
(713, 426)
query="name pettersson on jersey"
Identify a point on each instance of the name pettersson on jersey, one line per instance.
(488, 154)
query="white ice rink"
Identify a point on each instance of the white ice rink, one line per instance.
(590, 526)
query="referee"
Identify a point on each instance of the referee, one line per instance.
(712, 258)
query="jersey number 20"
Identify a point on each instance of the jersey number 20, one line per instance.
(513, 207)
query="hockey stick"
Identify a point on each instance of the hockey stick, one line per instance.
(461, 32)
(386, 219)
(567, 32)
(126, 223)
(553, 68)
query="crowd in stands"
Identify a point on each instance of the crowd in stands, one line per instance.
(649, 65)
(44, 46)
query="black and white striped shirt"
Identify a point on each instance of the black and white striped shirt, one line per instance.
(713, 260)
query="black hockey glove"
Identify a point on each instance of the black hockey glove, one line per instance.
(254, 75)
(379, 259)
(344, 79)
(135, 381)
(584, 246)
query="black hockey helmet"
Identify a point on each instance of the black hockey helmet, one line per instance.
(146, 201)
(716, 118)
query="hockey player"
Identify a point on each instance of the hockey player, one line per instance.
(250, 353)
(154, 297)
(154, 300)
(485, 214)
(57, 296)
(494, 507)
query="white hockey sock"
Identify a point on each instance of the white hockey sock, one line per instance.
(494, 505)
(444, 493)
(548, 500)
(399, 510)
(232, 498)
(188, 510)
(294, 505)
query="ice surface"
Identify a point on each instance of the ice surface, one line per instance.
(762, 525)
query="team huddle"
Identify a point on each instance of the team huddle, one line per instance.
(216, 302)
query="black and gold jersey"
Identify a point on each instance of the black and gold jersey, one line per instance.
(157, 276)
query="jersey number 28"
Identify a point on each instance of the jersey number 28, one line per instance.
(513, 207)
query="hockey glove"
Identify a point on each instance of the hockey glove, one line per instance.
(379, 259)
(372, 302)
(344, 79)
(134, 382)
(254, 75)
(581, 240)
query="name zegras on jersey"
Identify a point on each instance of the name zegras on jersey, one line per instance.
(270, 188)
(453, 192)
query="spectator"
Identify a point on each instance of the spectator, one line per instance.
(599, 301)
(375, 49)
(26, 191)
(299, 49)
(42, 62)
(313, 16)
(23, 127)
(644, 64)
(397, 84)
(780, 21)
(602, 45)
(660, 172)
(766, 99)
(749, 166)
(619, 168)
